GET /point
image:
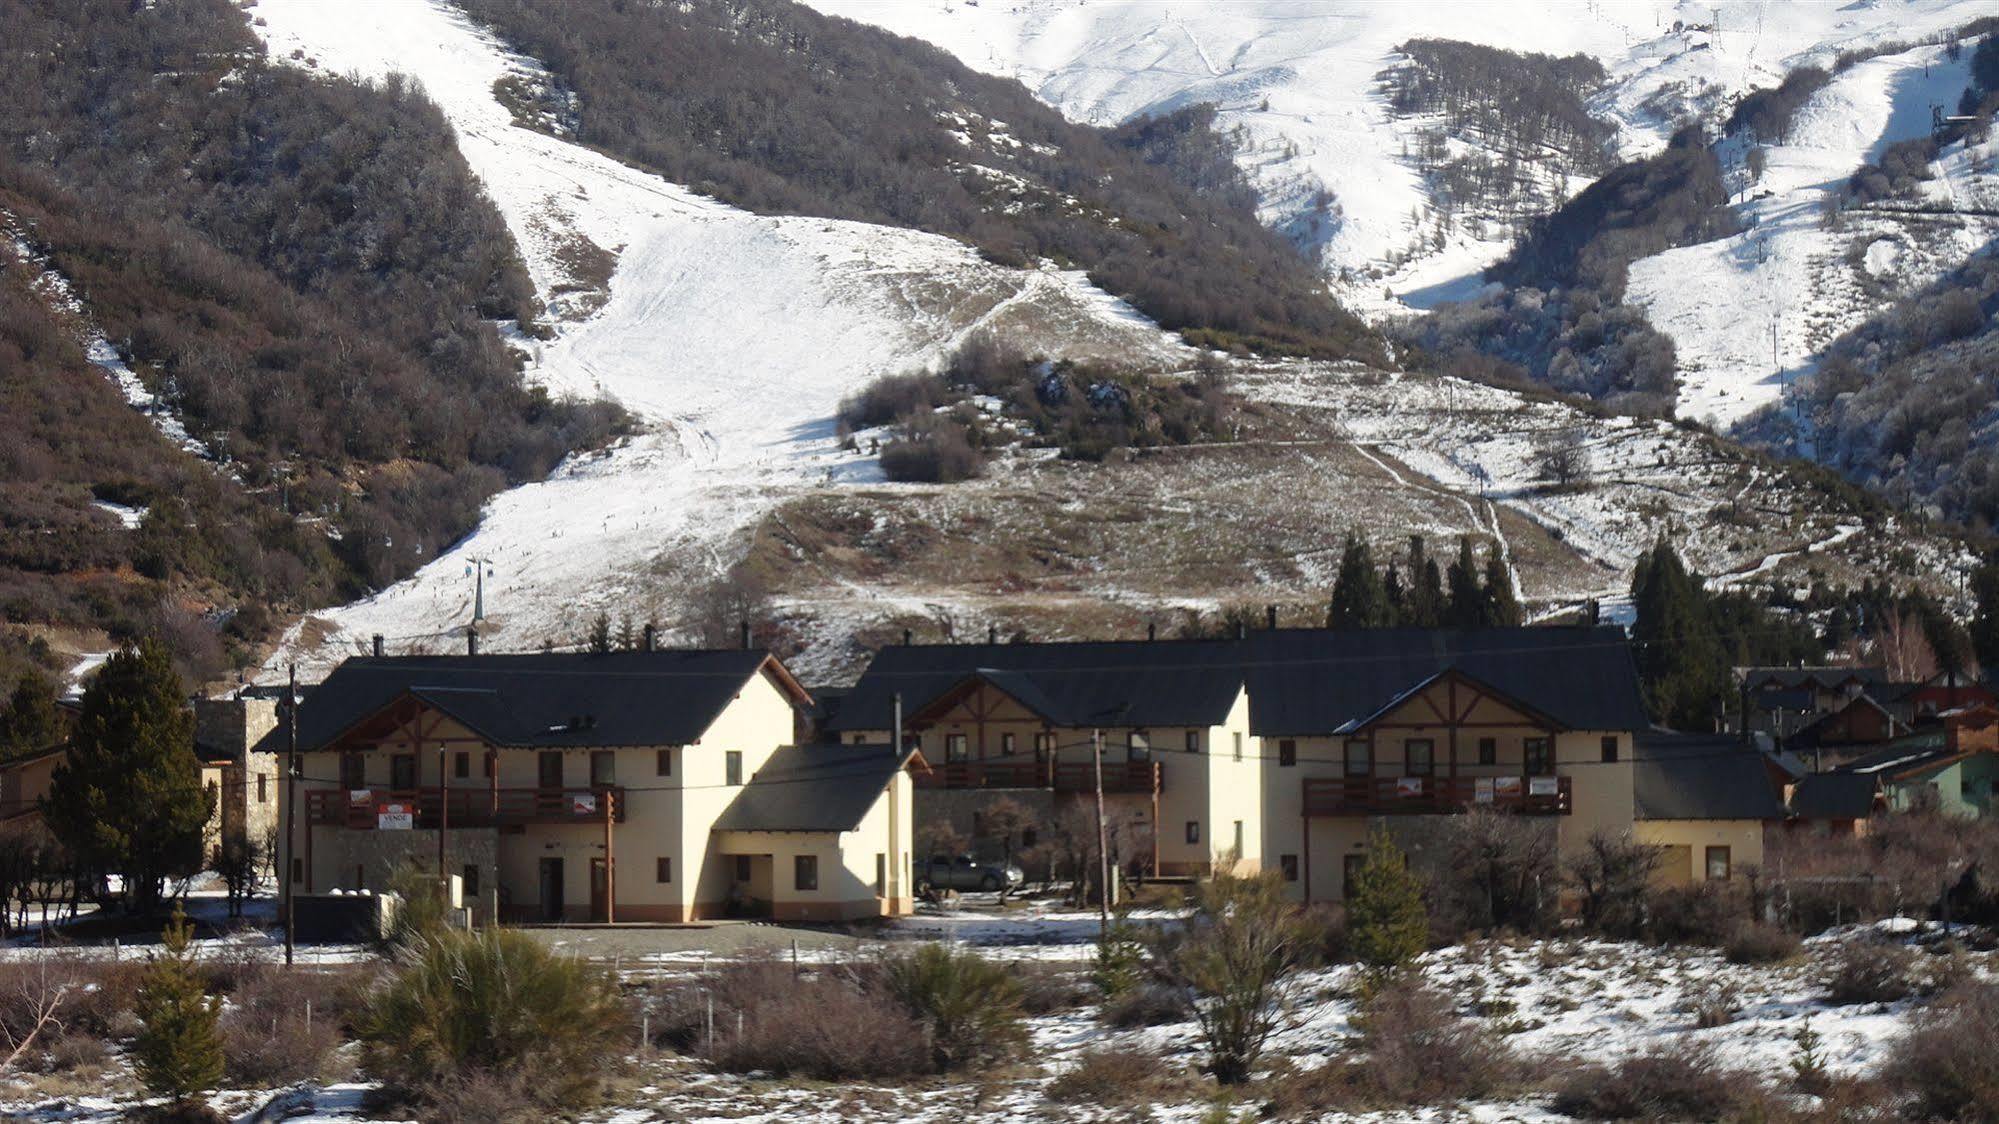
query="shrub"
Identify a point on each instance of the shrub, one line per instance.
(179, 1053)
(268, 1039)
(1237, 956)
(1117, 1076)
(1714, 1004)
(931, 450)
(893, 398)
(1705, 914)
(420, 909)
(1943, 1065)
(1119, 966)
(1756, 942)
(1148, 1005)
(1613, 874)
(1871, 970)
(496, 1002)
(1685, 1083)
(822, 1026)
(969, 1005)
(1419, 1051)
(1046, 989)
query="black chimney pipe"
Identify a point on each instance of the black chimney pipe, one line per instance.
(992, 634)
(1270, 617)
(1152, 630)
(651, 634)
(908, 637)
(746, 632)
(471, 641)
(378, 645)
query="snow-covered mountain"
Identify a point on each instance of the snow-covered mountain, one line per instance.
(1301, 76)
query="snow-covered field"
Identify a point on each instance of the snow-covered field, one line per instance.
(1749, 313)
(1300, 75)
(732, 337)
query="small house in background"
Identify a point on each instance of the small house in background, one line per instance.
(1705, 802)
(622, 786)
(1780, 701)
(1857, 725)
(1836, 803)
(240, 746)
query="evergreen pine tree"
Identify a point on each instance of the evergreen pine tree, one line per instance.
(1398, 600)
(1502, 607)
(128, 798)
(1386, 924)
(31, 720)
(1426, 587)
(179, 1053)
(1358, 598)
(1681, 661)
(1466, 605)
(1985, 620)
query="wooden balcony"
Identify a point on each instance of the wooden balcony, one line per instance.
(1390, 796)
(1062, 776)
(467, 807)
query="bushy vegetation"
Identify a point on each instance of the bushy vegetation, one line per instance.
(828, 1026)
(968, 1006)
(1766, 114)
(778, 109)
(1686, 638)
(1668, 1084)
(1466, 595)
(497, 1003)
(1387, 926)
(303, 268)
(179, 1052)
(1940, 1066)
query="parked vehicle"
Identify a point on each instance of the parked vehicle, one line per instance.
(942, 872)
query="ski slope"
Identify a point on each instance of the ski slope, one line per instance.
(1748, 313)
(1301, 77)
(731, 336)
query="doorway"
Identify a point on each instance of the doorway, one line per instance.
(599, 883)
(551, 889)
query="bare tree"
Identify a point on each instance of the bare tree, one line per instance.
(38, 989)
(236, 861)
(1905, 649)
(1563, 458)
(1613, 873)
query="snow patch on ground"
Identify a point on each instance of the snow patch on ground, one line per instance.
(731, 336)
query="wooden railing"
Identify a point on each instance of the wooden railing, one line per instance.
(1345, 796)
(466, 807)
(1062, 776)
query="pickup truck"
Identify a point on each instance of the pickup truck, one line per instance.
(942, 872)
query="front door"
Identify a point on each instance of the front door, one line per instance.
(598, 883)
(551, 889)
(551, 770)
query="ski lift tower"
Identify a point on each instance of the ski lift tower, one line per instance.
(478, 569)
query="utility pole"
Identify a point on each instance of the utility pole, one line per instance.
(290, 807)
(1103, 839)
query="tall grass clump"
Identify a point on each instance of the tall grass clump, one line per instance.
(969, 1006)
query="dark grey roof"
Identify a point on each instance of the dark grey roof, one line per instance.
(1822, 677)
(552, 700)
(1317, 681)
(813, 788)
(1109, 683)
(1924, 751)
(1835, 796)
(1702, 777)
(1784, 698)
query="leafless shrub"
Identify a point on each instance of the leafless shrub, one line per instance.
(1613, 873)
(824, 1026)
(1119, 1076)
(1943, 1065)
(1674, 1084)
(1706, 914)
(1871, 970)
(270, 1036)
(1420, 1051)
(1150, 1004)
(1757, 942)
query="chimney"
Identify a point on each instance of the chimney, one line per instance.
(992, 634)
(1152, 630)
(651, 634)
(471, 641)
(745, 632)
(1241, 630)
(1270, 617)
(908, 637)
(378, 645)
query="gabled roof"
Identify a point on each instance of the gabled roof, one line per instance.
(1836, 796)
(1306, 682)
(1702, 777)
(1897, 762)
(1823, 677)
(1131, 683)
(814, 788)
(547, 700)
(1814, 732)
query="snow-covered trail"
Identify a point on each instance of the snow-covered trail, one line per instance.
(1748, 313)
(731, 335)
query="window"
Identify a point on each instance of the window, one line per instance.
(1289, 864)
(1488, 751)
(1360, 759)
(461, 764)
(1350, 873)
(353, 771)
(662, 869)
(1287, 752)
(402, 772)
(1238, 743)
(603, 769)
(1717, 864)
(1419, 757)
(742, 868)
(549, 769)
(1238, 839)
(881, 875)
(263, 788)
(1139, 748)
(469, 880)
(1609, 749)
(805, 872)
(1540, 759)
(1044, 745)
(1194, 743)
(1006, 745)
(1193, 831)
(955, 748)
(491, 761)
(298, 870)
(662, 763)
(732, 767)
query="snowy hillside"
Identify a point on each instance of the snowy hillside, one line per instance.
(1749, 313)
(1302, 79)
(731, 336)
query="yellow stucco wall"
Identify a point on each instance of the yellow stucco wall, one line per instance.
(1685, 843)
